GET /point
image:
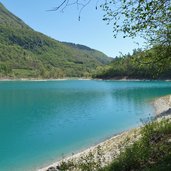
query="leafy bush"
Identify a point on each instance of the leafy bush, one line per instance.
(151, 152)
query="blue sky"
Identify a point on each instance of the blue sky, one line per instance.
(91, 31)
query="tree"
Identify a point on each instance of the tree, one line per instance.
(138, 16)
(150, 19)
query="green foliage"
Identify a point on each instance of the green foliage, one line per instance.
(133, 17)
(149, 19)
(27, 53)
(149, 64)
(152, 151)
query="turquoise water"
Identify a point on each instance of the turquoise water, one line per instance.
(46, 120)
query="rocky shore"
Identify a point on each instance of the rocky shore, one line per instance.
(106, 151)
(162, 106)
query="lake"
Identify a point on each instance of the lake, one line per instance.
(41, 121)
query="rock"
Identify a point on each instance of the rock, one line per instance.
(51, 169)
(169, 140)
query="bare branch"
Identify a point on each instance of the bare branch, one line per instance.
(81, 4)
(58, 7)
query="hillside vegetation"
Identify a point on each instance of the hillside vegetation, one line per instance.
(26, 53)
(147, 64)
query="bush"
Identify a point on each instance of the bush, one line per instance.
(151, 152)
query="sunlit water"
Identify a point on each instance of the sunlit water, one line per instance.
(44, 121)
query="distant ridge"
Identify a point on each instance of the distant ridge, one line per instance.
(25, 53)
(78, 46)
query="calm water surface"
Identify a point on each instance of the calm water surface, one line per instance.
(44, 121)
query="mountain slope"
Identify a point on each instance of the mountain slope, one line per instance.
(27, 53)
(141, 65)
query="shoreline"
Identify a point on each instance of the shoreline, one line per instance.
(37, 79)
(77, 78)
(105, 147)
(162, 106)
(112, 146)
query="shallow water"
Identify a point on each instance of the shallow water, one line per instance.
(44, 121)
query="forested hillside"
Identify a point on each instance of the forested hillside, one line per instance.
(26, 53)
(147, 64)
